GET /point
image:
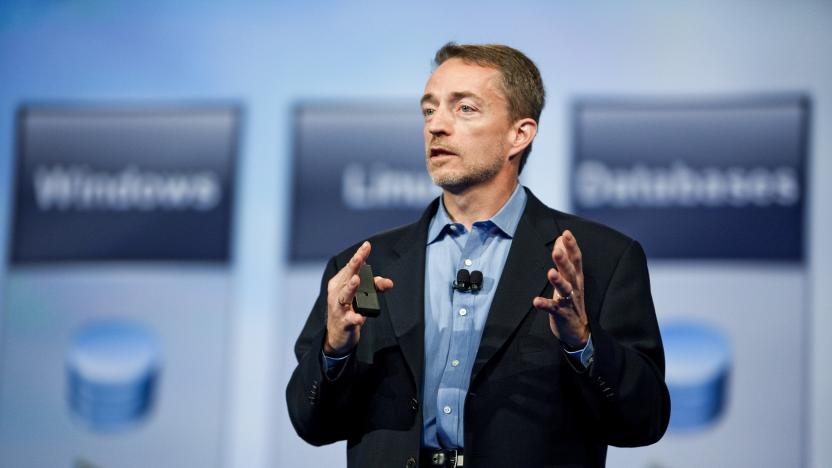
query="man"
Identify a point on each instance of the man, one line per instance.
(557, 356)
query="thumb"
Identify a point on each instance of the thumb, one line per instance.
(383, 284)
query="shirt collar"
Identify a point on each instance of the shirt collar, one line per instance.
(506, 219)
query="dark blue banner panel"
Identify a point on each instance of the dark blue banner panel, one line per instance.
(359, 168)
(98, 183)
(709, 178)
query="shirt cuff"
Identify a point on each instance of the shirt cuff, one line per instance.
(334, 366)
(584, 356)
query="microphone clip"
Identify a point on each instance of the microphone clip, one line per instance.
(468, 281)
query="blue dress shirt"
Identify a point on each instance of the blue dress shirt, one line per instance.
(454, 320)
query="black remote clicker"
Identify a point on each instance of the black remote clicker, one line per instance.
(365, 301)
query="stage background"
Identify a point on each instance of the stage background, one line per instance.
(276, 58)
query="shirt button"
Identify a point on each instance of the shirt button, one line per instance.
(446, 410)
(463, 312)
(468, 262)
(454, 363)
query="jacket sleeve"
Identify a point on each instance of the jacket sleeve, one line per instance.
(625, 385)
(318, 407)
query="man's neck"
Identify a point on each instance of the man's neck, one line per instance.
(477, 203)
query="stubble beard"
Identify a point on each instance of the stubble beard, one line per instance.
(471, 173)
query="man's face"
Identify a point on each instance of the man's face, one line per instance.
(467, 128)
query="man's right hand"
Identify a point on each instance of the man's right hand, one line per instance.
(343, 324)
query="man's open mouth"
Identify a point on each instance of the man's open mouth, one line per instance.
(439, 151)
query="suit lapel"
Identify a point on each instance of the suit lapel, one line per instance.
(523, 278)
(406, 301)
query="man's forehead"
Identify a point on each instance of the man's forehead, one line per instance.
(458, 77)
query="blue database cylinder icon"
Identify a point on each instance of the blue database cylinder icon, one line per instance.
(112, 373)
(698, 368)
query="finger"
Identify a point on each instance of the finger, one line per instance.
(382, 284)
(558, 245)
(358, 259)
(546, 304)
(353, 319)
(347, 291)
(563, 288)
(574, 253)
(561, 259)
(353, 265)
(555, 308)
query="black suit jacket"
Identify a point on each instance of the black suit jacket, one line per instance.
(527, 406)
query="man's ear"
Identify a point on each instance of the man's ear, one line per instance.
(521, 135)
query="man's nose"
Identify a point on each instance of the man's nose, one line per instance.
(439, 123)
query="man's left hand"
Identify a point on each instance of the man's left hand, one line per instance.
(567, 315)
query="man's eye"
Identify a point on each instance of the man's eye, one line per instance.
(427, 112)
(466, 108)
